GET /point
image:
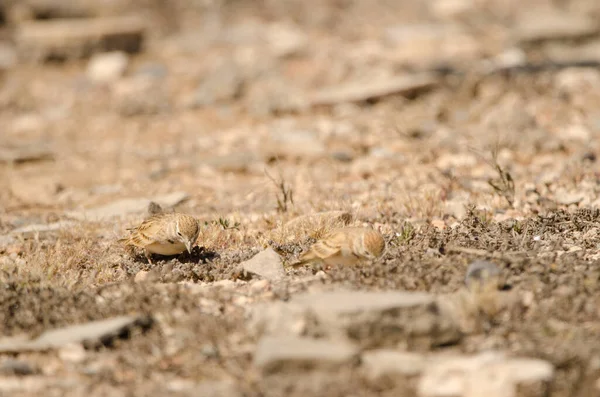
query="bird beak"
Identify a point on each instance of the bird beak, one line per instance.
(188, 245)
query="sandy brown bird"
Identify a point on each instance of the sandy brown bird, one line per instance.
(345, 246)
(164, 234)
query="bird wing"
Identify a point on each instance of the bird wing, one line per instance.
(146, 233)
(329, 246)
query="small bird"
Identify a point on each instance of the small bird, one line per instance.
(345, 246)
(164, 234)
(483, 275)
(154, 208)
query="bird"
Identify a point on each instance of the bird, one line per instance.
(154, 208)
(483, 275)
(164, 233)
(345, 246)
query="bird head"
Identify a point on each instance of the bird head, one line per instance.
(187, 231)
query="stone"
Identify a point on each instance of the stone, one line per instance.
(489, 373)
(41, 229)
(92, 333)
(79, 38)
(107, 67)
(364, 91)
(370, 319)
(72, 352)
(266, 264)
(278, 318)
(26, 153)
(540, 25)
(287, 353)
(383, 362)
(125, 207)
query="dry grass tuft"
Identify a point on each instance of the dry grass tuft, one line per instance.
(71, 258)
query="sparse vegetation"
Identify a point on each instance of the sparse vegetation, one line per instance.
(284, 194)
(504, 184)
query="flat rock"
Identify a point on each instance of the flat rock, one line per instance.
(78, 38)
(392, 363)
(288, 353)
(539, 25)
(266, 264)
(26, 153)
(40, 229)
(363, 91)
(128, 206)
(371, 319)
(107, 67)
(491, 374)
(90, 333)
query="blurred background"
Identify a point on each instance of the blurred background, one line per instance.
(374, 105)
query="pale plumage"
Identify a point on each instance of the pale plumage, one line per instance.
(164, 234)
(345, 247)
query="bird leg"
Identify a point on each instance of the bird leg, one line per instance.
(148, 256)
